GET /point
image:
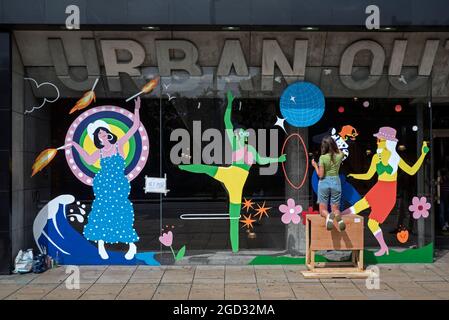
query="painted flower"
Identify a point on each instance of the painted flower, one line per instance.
(290, 212)
(309, 211)
(420, 207)
(166, 239)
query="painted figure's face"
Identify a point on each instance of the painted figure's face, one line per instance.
(103, 136)
(381, 143)
(242, 136)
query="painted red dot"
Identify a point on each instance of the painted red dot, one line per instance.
(398, 108)
(341, 109)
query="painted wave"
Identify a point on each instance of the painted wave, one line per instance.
(62, 242)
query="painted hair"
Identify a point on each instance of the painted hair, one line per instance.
(394, 159)
(238, 126)
(97, 141)
(328, 145)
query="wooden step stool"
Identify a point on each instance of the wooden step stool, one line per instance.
(319, 238)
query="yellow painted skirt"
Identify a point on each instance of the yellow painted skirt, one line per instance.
(234, 179)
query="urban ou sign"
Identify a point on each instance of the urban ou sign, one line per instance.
(208, 63)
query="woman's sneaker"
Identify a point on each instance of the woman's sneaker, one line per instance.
(330, 221)
(341, 224)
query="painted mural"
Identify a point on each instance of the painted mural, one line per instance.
(233, 177)
(107, 147)
(55, 236)
(381, 199)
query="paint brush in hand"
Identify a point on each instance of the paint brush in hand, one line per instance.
(86, 99)
(44, 158)
(146, 88)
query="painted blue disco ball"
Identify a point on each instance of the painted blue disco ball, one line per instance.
(302, 104)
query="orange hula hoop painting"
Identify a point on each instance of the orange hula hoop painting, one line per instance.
(296, 136)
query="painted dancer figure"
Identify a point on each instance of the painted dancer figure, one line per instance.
(111, 219)
(382, 197)
(234, 176)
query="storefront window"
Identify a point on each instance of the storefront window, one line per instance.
(216, 207)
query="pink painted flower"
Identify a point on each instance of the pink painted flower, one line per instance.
(166, 239)
(420, 207)
(290, 212)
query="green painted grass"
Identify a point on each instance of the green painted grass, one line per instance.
(418, 255)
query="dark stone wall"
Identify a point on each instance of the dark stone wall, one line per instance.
(5, 153)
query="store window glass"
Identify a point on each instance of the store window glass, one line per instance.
(235, 161)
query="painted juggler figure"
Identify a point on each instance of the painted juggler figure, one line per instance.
(382, 197)
(233, 177)
(111, 219)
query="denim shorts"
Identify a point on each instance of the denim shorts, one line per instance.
(329, 188)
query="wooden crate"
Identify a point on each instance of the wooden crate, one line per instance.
(319, 238)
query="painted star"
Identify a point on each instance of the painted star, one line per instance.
(280, 123)
(292, 98)
(248, 204)
(247, 222)
(262, 211)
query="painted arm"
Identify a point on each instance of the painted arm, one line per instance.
(319, 169)
(227, 120)
(369, 174)
(121, 142)
(89, 158)
(412, 170)
(265, 160)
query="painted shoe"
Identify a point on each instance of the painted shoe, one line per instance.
(381, 252)
(102, 251)
(131, 252)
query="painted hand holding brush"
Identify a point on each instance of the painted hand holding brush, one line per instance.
(147, 88)
(103, 139)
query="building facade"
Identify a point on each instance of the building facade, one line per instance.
(282, 75)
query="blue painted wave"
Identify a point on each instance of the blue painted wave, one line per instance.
(69, 247)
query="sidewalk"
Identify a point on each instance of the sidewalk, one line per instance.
(411, 281)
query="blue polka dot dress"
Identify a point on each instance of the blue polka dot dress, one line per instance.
(112, 215)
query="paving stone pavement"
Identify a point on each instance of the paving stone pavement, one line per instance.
(203, 282)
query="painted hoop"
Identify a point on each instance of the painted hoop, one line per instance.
(297, 187)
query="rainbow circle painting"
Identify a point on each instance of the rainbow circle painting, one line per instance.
(120, 121)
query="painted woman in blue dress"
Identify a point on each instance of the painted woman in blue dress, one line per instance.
(111, 219)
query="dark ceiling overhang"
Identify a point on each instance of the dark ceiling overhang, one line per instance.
(250, 13)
